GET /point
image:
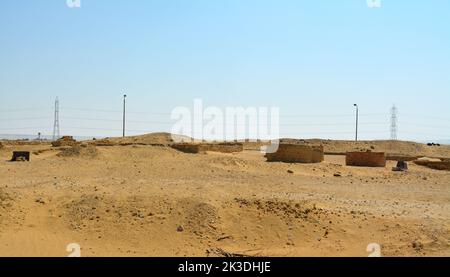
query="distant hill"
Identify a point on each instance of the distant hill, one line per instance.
(34, 137)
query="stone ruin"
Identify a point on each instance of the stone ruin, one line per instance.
(401, 166)
(368, 159)
(79, 150)
(65, 141)
(195, 148)
(297, 153)
(441, 164)
(103, 142)
(20, 156)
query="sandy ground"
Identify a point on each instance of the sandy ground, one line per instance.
(156, 201)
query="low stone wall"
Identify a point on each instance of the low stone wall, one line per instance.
(203, 147)
(296, 153)
(442, 165)
(369, 159)
(186, 147)
(222, 147)
(399, 157)
(102, 142)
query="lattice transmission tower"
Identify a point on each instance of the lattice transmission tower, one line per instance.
(56, 134)
(394, 122)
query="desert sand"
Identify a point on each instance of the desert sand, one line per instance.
(143, 198)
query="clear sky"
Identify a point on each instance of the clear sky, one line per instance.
(312, 59)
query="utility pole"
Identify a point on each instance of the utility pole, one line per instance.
(394, 121)
(124, 106)
(56, 121)
(357, 119)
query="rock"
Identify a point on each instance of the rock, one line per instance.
(337, 174)
(40, 201)
(290, 171)
(417, 245)
(401, 166)
(180, 228)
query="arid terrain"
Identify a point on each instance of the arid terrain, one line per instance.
(143, 198)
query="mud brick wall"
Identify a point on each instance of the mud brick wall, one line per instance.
(294, 153)
(369, 159)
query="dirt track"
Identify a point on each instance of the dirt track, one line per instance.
(156, 201)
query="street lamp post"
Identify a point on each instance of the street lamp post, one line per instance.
(124, 102)
(357, 118)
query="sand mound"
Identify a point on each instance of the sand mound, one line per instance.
(6, 202)
(4, 198)
(200, 218)
(150, 139)
(231, 162)
(284, 209)
(79, 151)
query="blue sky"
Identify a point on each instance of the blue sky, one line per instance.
(312, 59)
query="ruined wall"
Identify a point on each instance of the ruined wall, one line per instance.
(399, 157)
(222, 147)
(442, 165)
(214, 147)
(186, 147)
(65, 141)
(102, 142)
(295, 153)
(369, 159)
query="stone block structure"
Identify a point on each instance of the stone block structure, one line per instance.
(296, 153)
(368, 159)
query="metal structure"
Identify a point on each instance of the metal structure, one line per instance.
(357, 119)
(56, 134)
(394, 122)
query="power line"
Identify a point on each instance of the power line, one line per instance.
(23, 110)
(24, 118)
